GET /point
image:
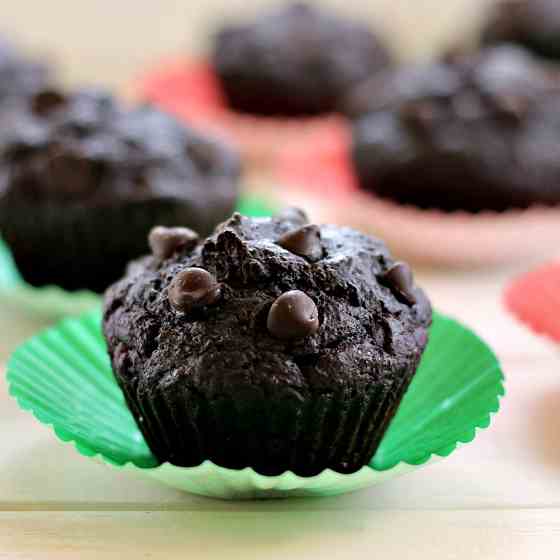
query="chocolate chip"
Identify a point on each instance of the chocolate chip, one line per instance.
(235, 220)
(165, 241)
(46, 101)
(293, 315)
(399, 279)
(193, 287)
(304, 241)
(292, 214)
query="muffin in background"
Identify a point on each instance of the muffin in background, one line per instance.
(295, 61)
(273, 344)
(84, 179)
(474, 132)
(534, 24)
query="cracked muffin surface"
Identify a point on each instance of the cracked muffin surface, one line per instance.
(273, 344)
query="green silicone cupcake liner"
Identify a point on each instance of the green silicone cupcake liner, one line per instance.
(64, 377)
(53, 302)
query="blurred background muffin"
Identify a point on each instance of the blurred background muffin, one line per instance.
(296, 61)
(188, 32)
(84, 179)
(474, 132)
(270, 78)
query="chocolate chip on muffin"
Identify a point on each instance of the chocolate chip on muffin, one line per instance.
(293, 315)
(246, 354)
(304, 241)
(164, 241)
(193, 287)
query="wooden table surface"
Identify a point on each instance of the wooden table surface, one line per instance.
(498, 497)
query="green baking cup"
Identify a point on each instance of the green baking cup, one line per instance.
(55, 303)
(64, 377)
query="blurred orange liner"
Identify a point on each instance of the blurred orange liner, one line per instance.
(317, 174)
(534, 299)
(190, 90)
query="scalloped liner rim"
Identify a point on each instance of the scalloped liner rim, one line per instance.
(468, 436)
(441, 454)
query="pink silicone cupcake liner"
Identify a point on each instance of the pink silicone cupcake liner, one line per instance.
(534, 298)
(317, 174)
(190, 90)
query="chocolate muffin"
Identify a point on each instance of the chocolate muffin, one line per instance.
(20, 75)
(296, 61)
(84, 179)
(273, 344)
(534, 24)
(476, 132)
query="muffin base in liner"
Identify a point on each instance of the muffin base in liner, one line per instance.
(191, 90)
(63, 376)
(534, 299)
(49, 302)
(52, 301)
(317, 175)
(272, 434)
(77, 246)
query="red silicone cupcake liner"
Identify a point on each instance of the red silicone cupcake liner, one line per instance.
(190, 90)
(535, 299)
(317, 174)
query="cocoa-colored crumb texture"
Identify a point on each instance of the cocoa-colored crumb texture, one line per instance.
(298, 60)
(474, 132)
(214, 383)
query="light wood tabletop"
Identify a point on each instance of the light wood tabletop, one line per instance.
(496, 498)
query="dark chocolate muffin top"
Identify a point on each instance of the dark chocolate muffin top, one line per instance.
(295, 61)
(266, 302)
(87, 147)
(475, 132)
(535, 24)
(19, 75)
